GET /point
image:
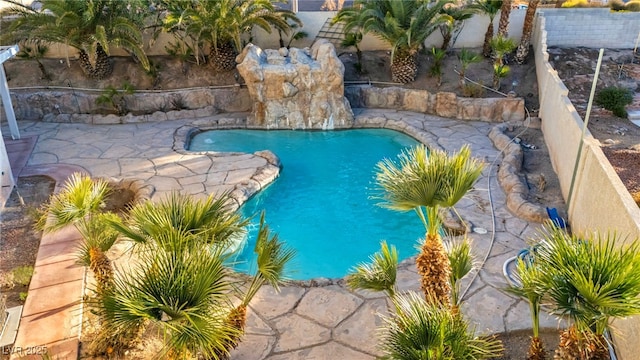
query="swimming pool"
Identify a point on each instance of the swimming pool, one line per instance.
(320, 204)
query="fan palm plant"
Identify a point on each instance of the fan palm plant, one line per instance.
(501, 46)
(528, 277)
(212, 220)
(426, 182)
(79, 203)
(379, 274)
(404, 25)
(223, 23)
(272, 257)
(438, 56)
(455, 17)
(183, 291)
(527, 29)
(461, 260)
(423, 330)
(591, 281)
(489, 8)
(466, 58)
(89, 26)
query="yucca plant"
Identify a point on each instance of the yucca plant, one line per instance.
(461, 260)
(466, 58)
(421, 329)
(426, 182)
(379, 274)
(591, 281)
(272, 258)
(528, 277)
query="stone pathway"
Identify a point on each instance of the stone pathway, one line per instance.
(325, 320)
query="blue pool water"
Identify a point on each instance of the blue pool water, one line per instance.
(320, 205)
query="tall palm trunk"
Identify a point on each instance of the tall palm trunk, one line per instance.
(404, 67)
(523, 48)
(486, 46)
(223, 57)
(581, 346)
(435, 270)
(101, 267)
(102, 68)
(503, 25)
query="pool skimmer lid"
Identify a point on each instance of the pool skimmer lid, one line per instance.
(479, 230)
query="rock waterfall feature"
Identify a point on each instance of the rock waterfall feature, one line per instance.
(296, 88)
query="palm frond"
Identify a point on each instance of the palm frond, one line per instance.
(379, 274)
(421, 329)
(461, 261)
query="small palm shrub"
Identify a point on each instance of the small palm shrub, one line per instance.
(422, 329)
(615, 99)
(435, 70)
(633, 6)
(617, 5)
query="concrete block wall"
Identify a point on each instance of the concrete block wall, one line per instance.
(600, 202)
(591, 27)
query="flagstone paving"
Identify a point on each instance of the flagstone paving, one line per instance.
(321, 319)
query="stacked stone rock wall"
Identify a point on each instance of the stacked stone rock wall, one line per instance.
(296, 88)
(445, 104)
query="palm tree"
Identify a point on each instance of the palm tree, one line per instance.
(404, 25)
(454, 22)
(212, 220)
(438, 56)
(528, 277)
(183, 291)
(222, 23)
(429, 180)
(379, 274)
(466, 58)
(505, 12)
(461, 260)
(501, 46)
(592, 281)
(489, 8)
(423, 330)
(527, 29)
(89, 26)
(272, 257)
(79, 203)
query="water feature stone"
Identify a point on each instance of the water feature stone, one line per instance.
(296, 88)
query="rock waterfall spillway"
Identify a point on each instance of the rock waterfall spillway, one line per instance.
(296, 88)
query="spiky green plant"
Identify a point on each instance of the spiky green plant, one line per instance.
(426, 182)
(437, 55)
(590, 280)
(379, 274)
(461, 260)
(80, 197)
(421, 329)
(528, 277)
(499, 72)
(272, 257)
(212, 219)
(183, 291)
(404, 25)
(91, 27)
(466, 58)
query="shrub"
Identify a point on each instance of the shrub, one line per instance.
(633, 6)
(614, 99)
(617, 5)
(22, 275)
(575, 4)
(473, 90)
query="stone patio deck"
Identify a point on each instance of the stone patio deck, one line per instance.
(325, 321)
